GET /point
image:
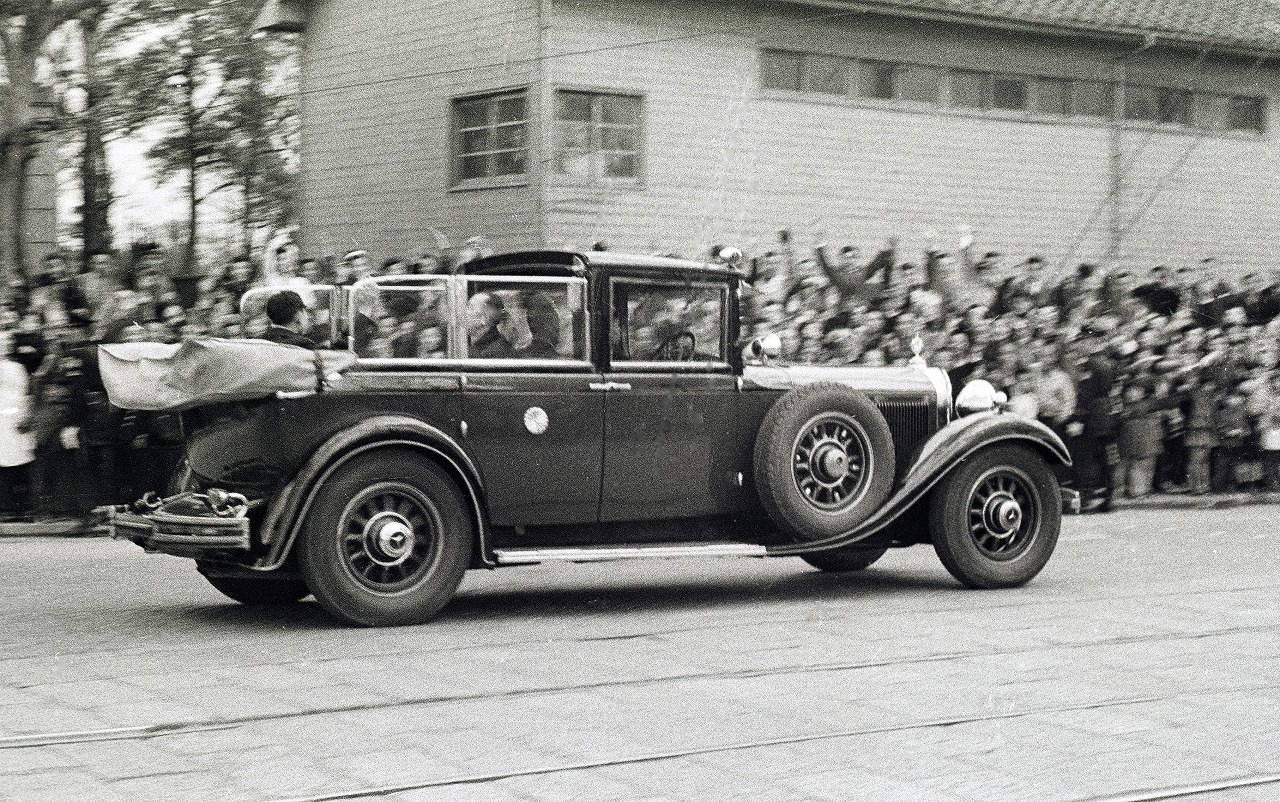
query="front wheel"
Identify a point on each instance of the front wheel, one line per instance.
(995, 518)
(387, 540)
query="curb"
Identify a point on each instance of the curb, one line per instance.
(1216, 501)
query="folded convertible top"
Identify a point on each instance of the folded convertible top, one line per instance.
(206, 370)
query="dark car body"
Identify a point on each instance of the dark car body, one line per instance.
(583, 457)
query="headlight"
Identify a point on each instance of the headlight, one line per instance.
(979, 396)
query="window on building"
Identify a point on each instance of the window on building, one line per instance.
(1211, 112)
(969, 89)
(490, 136)
(828, 75)
(780, 69)
(1052, 96)
(1173, 106)
(599, 135)
(1091, 99)
(1248, 114)
(1008, 92)
(1158, 104)
(876, 79)
(886, 80)
(1140, 103)
(919, 84)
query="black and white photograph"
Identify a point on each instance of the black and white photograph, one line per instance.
(639, 400)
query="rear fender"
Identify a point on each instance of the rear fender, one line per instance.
(286, 512)
(947, 448)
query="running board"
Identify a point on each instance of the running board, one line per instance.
(583, 554)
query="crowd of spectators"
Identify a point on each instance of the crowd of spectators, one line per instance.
(1167, 383)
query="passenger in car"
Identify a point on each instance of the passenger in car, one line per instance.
(483, 313)
(289, 320)
(543, 324)
(530, 325)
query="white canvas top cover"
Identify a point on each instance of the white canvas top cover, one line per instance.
(206, 370)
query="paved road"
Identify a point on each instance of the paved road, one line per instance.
(1146, 656)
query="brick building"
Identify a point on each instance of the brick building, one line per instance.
(1135, 129)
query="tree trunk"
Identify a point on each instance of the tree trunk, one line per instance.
(95, 181)
(12, 187)
(193, 170)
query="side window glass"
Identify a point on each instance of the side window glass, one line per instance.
(526, 319)
(317, 298)
(667, 322)
(398, 317)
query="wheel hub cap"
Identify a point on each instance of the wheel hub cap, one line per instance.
(831, 463)
(389, 538)
(1003, 515)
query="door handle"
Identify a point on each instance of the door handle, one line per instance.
(606, 386)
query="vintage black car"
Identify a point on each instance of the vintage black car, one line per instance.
(552, 405)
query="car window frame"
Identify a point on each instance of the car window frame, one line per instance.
(457, 345)
(721, 365)
(401, 282)
(580, 281)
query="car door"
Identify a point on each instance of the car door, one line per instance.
(534, 414)
(669, 403)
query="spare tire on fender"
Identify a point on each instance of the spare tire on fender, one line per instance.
(824, 460)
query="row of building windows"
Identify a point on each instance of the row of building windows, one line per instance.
(597, 136)
(819, 74)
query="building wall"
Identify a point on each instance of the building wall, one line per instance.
(377, 84)
(727, 161)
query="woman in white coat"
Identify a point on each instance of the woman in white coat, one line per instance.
(17, 444)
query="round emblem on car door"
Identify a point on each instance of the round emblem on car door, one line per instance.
(536, 420)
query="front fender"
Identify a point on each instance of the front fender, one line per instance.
(950, 445)
(283, 520)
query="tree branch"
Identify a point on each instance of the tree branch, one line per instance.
(220, 188)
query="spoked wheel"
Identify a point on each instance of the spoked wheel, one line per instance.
(831, 461)
(995, 519)
(1003, 513)
(824, 460)
(390, 536)
(387, 540)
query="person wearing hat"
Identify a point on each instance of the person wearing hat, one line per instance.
(356, 265)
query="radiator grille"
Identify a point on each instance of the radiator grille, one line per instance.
(911, 423)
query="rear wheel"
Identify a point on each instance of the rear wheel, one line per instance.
(248, 590)
(995, 518)
(843, 560)
(387, 540)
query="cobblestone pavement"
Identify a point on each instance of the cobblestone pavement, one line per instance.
(1145, 657)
